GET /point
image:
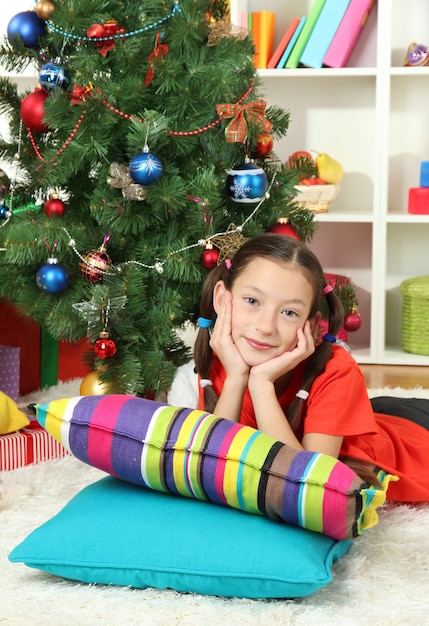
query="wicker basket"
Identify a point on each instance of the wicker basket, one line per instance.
(316, 198)
(415, 315)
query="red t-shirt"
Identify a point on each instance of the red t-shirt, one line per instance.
(338, 404)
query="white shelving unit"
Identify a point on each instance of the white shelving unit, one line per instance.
(372, 116)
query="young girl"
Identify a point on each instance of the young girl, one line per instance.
(263, 364)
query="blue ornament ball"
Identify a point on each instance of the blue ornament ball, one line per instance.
(247, 183)
(52, 76)
(26, 27)
(52, 278)
(145, 168)
(4, 212)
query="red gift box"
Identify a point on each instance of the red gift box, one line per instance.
(333, 280)
(29, 445)
(63, 357)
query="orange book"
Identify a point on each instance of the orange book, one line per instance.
(263, 37)
(254, 23)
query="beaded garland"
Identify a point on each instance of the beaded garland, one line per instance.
(176, 9)
(131, 118)
(178, 133)
(158, 265)
(63, 147)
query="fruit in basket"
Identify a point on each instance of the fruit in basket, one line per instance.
(297, 156)
(314, 180)
(304, 166)
(329, 169)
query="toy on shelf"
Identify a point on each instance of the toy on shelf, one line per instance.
(417, 55)
(418, 197)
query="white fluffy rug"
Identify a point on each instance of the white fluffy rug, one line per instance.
(383, 580)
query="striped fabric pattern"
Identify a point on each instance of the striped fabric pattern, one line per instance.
(191, 453)
(29, 445)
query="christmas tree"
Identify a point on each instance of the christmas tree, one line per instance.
(143, 157)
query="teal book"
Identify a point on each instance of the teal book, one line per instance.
(298, 49)
(323, 32)
(291, 43)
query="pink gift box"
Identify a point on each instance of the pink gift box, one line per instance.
(29, 445)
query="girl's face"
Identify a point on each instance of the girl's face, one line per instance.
(270, 301)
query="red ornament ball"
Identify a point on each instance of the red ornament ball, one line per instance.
(284, 228)
(209, 258)
(104, 347)
(96, 31)
(32, 111)
(54, 207)
(95, 264)
(352, 321)
(264, 146)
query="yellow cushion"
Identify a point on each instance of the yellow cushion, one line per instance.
(11, 418)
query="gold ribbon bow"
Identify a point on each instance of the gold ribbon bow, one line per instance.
(241, 114)
(119, 178)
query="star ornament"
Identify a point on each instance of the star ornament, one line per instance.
(93, 311)
(228, 243)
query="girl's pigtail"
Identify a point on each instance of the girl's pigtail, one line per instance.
(316, 363)
(203, 354)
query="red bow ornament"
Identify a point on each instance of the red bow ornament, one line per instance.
(106, 33)
(241, 114)
(159, 50)
(79, 94)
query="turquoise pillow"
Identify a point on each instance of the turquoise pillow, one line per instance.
(113, 532)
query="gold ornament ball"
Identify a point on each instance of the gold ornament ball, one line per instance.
(45, 8)
(92, 386)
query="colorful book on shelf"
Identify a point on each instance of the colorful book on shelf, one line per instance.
(292, 42)
(272, 63)
(323, 32)
(244, 19)
(348, 33)
(263, 23)
(254, 28)
(298, 49)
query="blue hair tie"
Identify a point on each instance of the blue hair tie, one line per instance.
(203, 322)
(339, 342)
(330, 338)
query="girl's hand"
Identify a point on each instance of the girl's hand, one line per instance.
(223, 344)
(275, 368)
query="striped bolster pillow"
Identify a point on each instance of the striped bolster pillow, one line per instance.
(192, 453)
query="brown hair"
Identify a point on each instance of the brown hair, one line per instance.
(293, 252)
